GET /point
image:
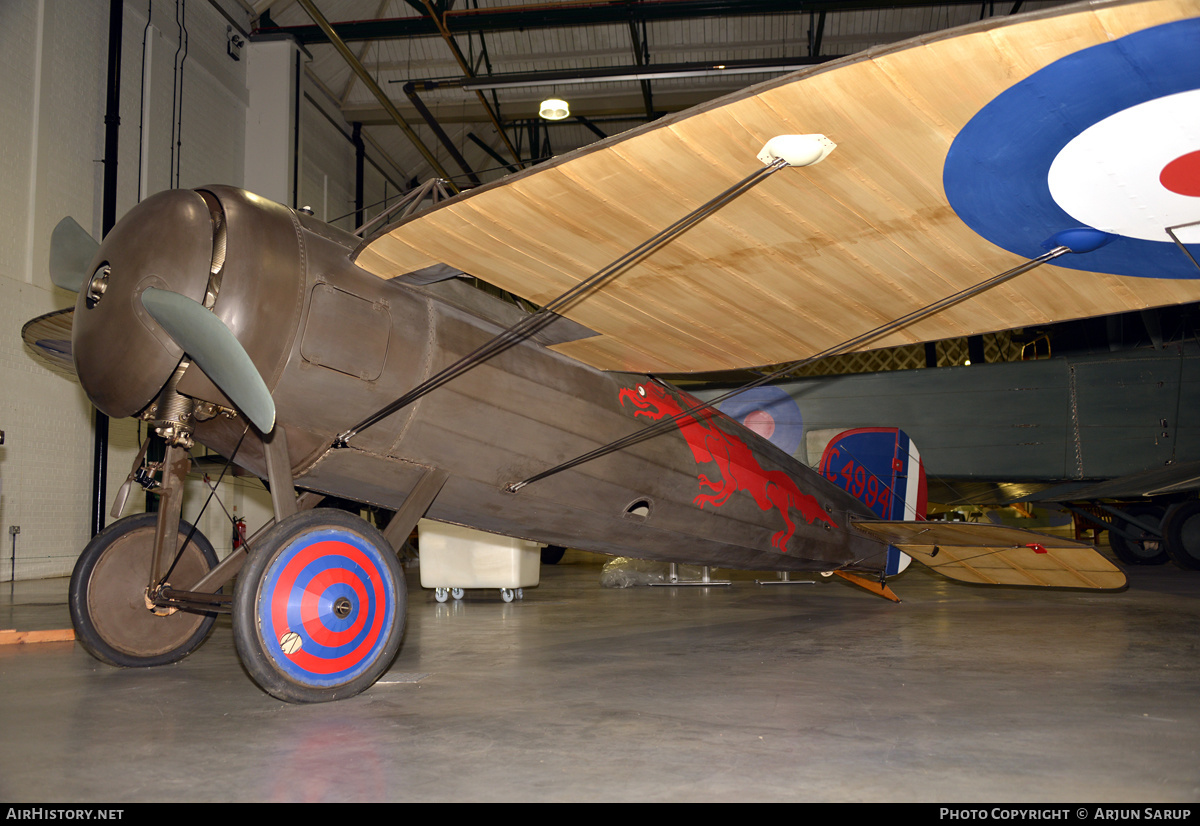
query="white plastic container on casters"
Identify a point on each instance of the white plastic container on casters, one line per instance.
(454, 557)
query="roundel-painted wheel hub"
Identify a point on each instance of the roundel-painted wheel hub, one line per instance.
(326, 607)
(1107, 138)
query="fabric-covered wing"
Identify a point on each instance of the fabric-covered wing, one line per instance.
(1173, 478)
(995, 555)
(812, 256)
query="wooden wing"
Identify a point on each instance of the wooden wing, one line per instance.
(814, 255)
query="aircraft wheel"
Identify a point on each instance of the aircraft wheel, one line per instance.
(1148, 549)
(552, 554)
(318, 612)
(108, 602)
(1181, 533)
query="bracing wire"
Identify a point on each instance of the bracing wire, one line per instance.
(531, 324)
(666, 424)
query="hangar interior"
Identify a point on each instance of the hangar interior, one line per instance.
(807, 692)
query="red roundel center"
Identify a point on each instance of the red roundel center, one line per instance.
(1182, 175)
(761, 422)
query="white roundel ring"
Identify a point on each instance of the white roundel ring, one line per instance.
(1106, 138)
(1135, 172)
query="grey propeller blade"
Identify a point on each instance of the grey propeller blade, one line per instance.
(220, 355)
(71, 252)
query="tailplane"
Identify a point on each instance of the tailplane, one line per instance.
(996, 555)
(882, 468)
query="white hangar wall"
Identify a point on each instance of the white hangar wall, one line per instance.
(185, 112)
(49, 54)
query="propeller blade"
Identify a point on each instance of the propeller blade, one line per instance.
(220, 355)
(71, 251)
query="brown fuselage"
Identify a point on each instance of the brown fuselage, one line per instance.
(334, 344)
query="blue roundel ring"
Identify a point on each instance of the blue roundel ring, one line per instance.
(326, 607)
(776, 403)
(996, 172)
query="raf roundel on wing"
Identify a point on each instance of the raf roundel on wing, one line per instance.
(1107, 137)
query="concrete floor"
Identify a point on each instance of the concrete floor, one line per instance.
(581, 693)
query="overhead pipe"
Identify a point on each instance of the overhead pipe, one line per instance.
(815, 36)
(108, 218)
(596, 130)
(579, 14)
(606, 74)
(492, 152)
(356, 66)
(469, 72)
(641, 56)
(423, 110)
(366, 138)
(360, 155)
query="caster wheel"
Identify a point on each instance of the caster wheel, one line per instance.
(318, 613)
(441, 594)
(520, 593)
(1147, 548)
(506, 594)
(456, 593)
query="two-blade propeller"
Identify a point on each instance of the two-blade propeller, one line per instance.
(203, 336)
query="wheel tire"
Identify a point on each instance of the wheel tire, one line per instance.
(552, 554)
(1181, 534)
(318, 612)
(107, 596)
(1150, 549)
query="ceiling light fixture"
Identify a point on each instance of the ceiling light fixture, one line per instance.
(554, 109)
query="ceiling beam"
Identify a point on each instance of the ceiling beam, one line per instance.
(514, 18)
(626, 106)
(438, 17)
(394, 114)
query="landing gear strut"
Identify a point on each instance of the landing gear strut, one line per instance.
(1138, 545)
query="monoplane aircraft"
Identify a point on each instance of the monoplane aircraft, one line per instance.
(909, 193)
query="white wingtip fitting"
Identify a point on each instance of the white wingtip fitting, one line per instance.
(797, 150)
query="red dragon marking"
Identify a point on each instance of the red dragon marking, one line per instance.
(739, 469)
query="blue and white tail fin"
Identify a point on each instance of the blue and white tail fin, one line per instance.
(882, 468)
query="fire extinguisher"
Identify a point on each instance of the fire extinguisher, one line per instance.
(239, 532)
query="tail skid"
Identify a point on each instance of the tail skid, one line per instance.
(877, 587)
